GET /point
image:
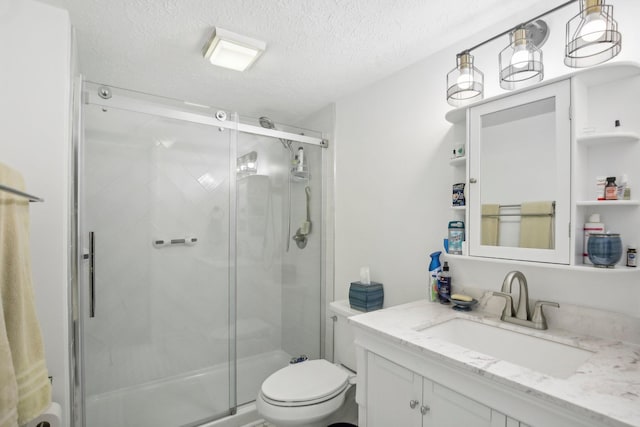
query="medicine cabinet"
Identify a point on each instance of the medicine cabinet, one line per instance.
(532, 158)
(519, 154)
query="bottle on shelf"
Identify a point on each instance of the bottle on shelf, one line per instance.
(632, 256)
(611, 189)
(444, 284)
(593, 226)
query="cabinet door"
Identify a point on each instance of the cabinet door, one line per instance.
(501, 420)
(519, 176)
(391, 392)
(448, 408)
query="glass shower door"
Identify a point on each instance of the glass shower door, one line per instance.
(279, 283)
(155, 297)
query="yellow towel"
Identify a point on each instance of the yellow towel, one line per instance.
(25, 391)
(490, 225)
(537, 231)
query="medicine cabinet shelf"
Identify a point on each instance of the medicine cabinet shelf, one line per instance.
(618, 269)
(607, 138)
(602, 203)
(458, 161)
(458, 208)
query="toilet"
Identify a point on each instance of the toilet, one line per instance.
(315, 393)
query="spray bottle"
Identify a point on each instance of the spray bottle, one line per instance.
(434, 272)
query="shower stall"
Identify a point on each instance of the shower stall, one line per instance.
(190, 287)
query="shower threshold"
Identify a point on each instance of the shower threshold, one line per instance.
(184, 400)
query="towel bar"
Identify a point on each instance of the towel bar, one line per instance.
(21, 193)
(515, 214)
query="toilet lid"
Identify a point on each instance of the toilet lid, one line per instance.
(305, 381)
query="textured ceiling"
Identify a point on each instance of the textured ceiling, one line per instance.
(317, 50)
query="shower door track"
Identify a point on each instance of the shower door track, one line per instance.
(132, 104)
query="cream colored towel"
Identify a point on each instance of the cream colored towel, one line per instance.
(25, 391)
(537, 231)
(490, 225)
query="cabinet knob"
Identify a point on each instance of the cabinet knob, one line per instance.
(413, 404)
(424, 409)
(472, 180)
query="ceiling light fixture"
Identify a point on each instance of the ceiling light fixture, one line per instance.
(521, 61)
(465, 83)
(592, 35)
(231, 50)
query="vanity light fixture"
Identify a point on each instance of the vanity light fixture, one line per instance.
(230, 50)
(592, 35)
(465, 83)
(592, 38)
(521, 61)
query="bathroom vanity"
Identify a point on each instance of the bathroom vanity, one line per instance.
(424, 364)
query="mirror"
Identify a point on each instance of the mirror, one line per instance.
(519, 176)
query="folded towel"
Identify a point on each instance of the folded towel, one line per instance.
(25, 391)
(536, 225)
(489, 225)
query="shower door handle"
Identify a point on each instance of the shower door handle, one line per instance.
(92, 275)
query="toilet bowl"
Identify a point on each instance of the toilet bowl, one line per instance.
(314, 393)
(304, 393)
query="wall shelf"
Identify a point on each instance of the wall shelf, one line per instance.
(458, 208)
(619, 269)
(607, 138)
(458, 161)
(603, 203)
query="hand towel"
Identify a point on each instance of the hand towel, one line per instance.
(25, 391)
(536, 225)
(489, 225)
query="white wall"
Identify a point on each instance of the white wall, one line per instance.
(34, 121)
(393, 180)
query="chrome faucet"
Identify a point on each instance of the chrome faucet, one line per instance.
(522, 312)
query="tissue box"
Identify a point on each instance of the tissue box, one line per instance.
(366, 297)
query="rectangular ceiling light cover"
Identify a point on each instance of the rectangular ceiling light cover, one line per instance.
(231, 50)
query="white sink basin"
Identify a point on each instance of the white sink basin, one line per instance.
(547, 357)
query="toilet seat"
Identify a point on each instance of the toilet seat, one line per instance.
(306, 383)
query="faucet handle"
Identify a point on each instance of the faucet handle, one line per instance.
(538, 319)
(508, 306)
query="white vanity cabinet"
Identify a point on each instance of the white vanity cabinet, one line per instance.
(396, 396)
(587, 106)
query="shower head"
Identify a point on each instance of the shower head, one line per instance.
(266, 122)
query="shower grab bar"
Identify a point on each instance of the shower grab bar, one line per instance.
(21, 193)
(92, 275)
(187, 241)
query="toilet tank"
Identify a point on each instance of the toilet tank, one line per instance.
(344, 350)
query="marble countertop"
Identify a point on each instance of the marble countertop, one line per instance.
(605, 389)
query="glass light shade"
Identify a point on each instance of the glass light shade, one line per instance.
(520, 62)
(465, 83)
(592, 35)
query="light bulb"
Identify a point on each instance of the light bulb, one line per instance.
(594, 28)
(520, 57)
(465, 81)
